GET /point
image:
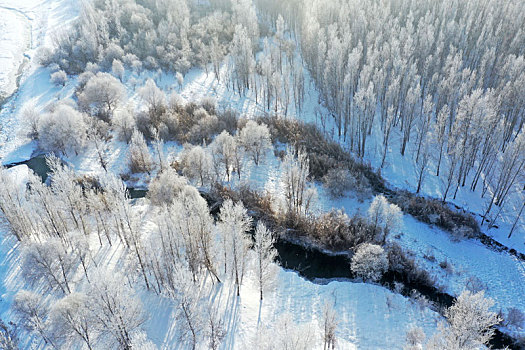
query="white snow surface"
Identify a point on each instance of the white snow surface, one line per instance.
(38, 21)
(371, 317)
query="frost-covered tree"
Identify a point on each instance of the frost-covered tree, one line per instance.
(166, 187)
(139, 157)
(285, 334)
(154, 98)
(81, 250)
(190, 313)
(234, 225)
(387, 130)
(62, 130)
(265, 254)
(197, 164)
(9, 339)
(255, 138)
(180, 79)
(71, 321)
(193, 223)
(298, 193)
(101, 95)
(385, 215)
(369, 262)
(49, 262)
(47, 215)
(68, 193)
(439, 133)
(30, 118)
(117, 69)
(116, 308)
(511, 170)
(421, 162)
(415, 338)
(224, 149)
(215, 330)
(470, 323)
(329, 326)
(242, 60)
(14, 208)
(124, 124)
(31, 313)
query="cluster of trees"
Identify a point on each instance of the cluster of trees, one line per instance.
(274, 75)
(173, 35)
(59, 227)
(452, 86)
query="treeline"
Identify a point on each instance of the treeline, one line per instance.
(172, 35)
(451, 84)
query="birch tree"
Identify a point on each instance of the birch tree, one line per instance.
(234, 225)
(265, 255)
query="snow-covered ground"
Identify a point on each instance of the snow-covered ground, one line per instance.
(15, 37)
(43, 19)
(371, 317)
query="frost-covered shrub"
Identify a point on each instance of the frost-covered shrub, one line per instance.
(197, 164)
(462, 232)
(175, 101)
(447, 266)
(415, 338)
(59, 78)
(369, 262)
(338, 181)
(171, 122)
(209, 103)
(338, 232)
(400, 262)
(92, 68)
(165, 187)
(62, 130)
(255, 138)
(420, 300)
(45, 56)
(124, 124)
(139, 157)
(204, 130)
(101, 95)
(112, 52)
(436, 212)
(82, 80)
(30, 117)
(384, 215)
